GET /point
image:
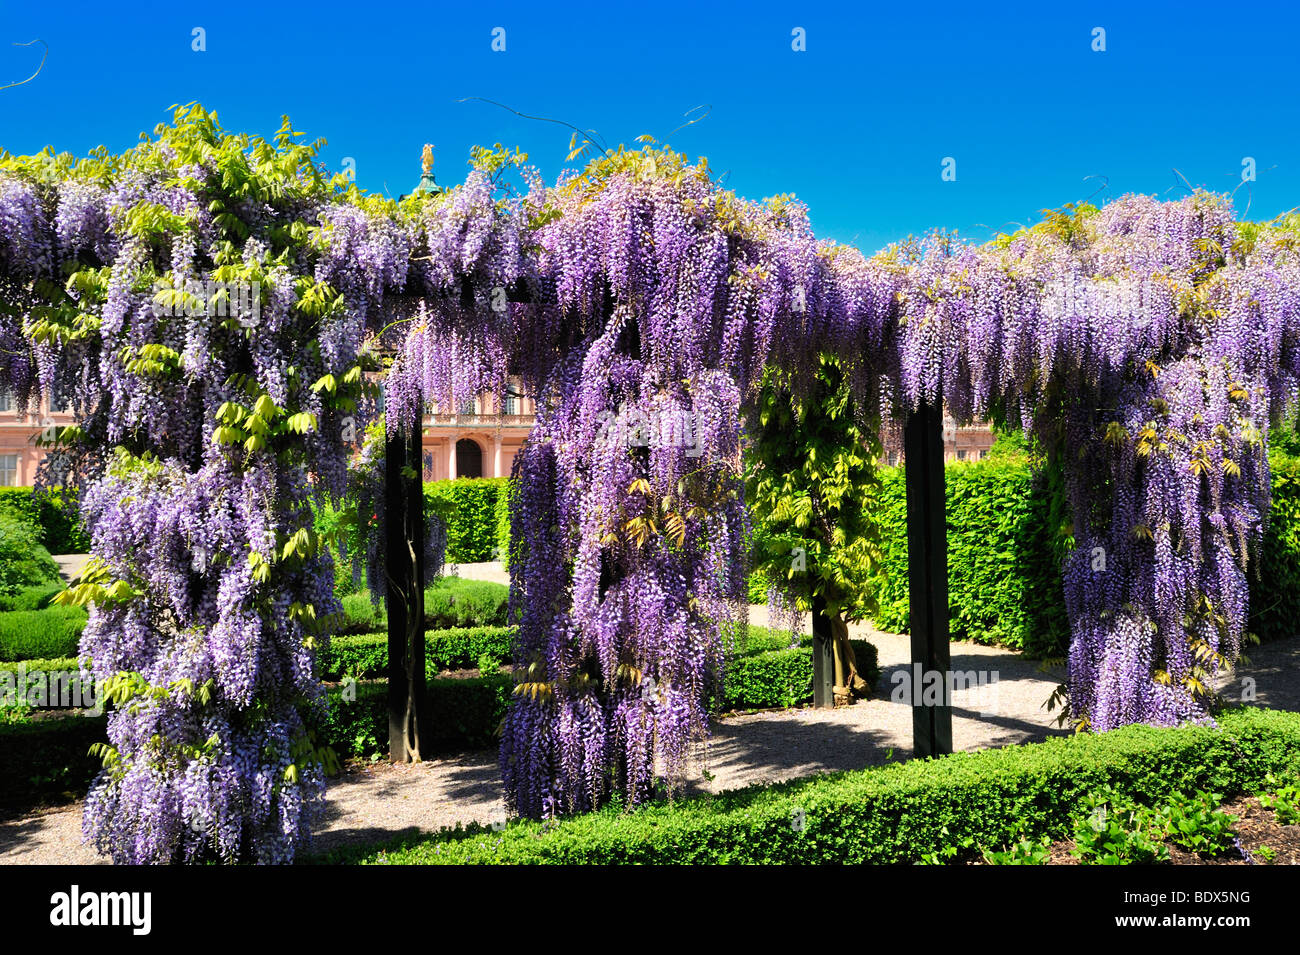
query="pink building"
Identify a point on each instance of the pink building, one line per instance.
(480, 440)
(965, 443)
(19, 455)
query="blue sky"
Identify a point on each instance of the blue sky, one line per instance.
(857, 125)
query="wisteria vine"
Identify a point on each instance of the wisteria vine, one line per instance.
(215, 306)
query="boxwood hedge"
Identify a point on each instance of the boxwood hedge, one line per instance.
(33, 634)
(892, 814)
(470, 508)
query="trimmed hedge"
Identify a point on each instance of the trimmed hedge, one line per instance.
(365, 655)
(78, 692)
(470, 505)
(764, 677)
(54, 512)
(37, 597)
(1004, 577)
(1275, 577)
(1005, 547)
(36, 634)
(448, 602)
(463, 714)
(891, 814)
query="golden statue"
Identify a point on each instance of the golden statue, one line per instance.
(427, 157)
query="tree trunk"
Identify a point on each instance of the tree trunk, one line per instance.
(404, 542)
(848, 683)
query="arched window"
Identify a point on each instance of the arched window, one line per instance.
(469, 459)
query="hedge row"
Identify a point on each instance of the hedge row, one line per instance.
(891, 814)
(448, 602)
(782, 677)
(1006, 539)
(765, 671)
(53, 512)
(471, 507)
(365, 655)
(1275, 592)
(1004, 550)
(48, 760)
(463, 714)
(37, 597)
(35, 634)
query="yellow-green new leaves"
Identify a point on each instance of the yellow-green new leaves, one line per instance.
(302, 422)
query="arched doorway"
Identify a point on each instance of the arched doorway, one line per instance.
(469, 459)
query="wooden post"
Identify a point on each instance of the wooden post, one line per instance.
(927, 571)
(404, 536)
(823, 649)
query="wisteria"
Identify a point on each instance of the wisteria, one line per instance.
(209, 338)
(214, 307)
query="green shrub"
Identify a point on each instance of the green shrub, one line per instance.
(23, 561)
(53, 512)
(34, 634)
(504, 498)
(1004, 572)
(366, 655)
(448, 602)
(892, 814)
(463, 714)
(25, 676)
(763, 677)
(1275, 576)
(470, 508)
(37, 597)
(453, 602)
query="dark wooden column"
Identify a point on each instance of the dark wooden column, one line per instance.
(404, 535)
(927, 571)
(823, 648)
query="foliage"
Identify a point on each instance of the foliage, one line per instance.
(1195, 823)
(34, 634)
(37, 597)
(1004, 583)
(1024, 852)
(1113, 830)
(24, 562)
(781, 676)
(366, 655)
(53, 511)
(448, 602)
(48, 760)
(472, 516)
(463, 714)
(1285, 803)
(811, 483)
(891, 814)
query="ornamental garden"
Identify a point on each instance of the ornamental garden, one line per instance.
(249, 346)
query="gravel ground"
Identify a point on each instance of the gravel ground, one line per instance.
(375, 801)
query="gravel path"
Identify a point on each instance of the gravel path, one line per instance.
(375, 801)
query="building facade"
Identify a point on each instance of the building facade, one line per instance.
(19, 453)
(480, 440)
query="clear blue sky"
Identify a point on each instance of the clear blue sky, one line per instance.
(857, 125)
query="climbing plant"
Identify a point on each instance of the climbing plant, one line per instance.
(216, 306)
